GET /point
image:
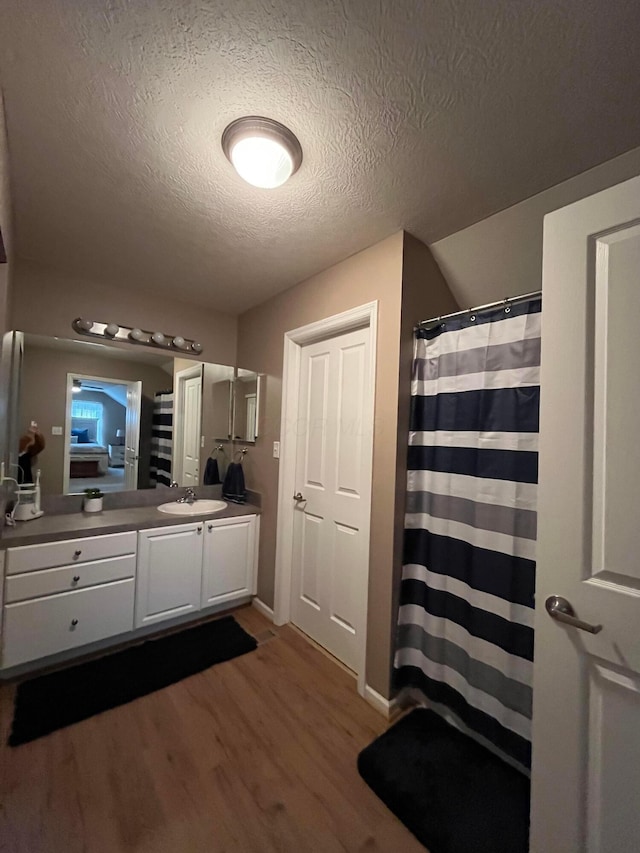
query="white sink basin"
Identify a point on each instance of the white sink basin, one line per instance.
(196, 508)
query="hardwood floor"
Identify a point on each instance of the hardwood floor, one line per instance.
(255, 754)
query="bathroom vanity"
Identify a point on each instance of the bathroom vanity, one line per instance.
(75, 584)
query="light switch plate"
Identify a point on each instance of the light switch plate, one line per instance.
(276, 450)
(56, 430)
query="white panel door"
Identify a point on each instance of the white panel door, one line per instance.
(586, 715)
(333, 477)
(169, 572)
(191, 431)
(132, 434)
(229, 560)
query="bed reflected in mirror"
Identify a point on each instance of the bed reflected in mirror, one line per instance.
(97, 413)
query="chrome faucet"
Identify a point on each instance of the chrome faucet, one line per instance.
(189, 497)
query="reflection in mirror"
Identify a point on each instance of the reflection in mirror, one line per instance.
(10, 367)
(203, 415)
(246, 406)
(217, 402)
(106, 413)
(101, 433)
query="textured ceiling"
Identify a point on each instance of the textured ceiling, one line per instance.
(426, 115)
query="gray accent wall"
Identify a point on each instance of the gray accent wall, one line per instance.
(502, 255)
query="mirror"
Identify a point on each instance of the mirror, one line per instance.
(246, 410)
(118, 417)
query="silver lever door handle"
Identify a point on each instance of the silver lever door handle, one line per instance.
(560, 609)
(298, 497)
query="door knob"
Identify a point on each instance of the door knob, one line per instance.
(559, 608)
(298, 497)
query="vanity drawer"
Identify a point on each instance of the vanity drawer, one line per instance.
(44, 626)
(29, 558)
(78, 576)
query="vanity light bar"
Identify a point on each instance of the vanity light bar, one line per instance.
(115, 332)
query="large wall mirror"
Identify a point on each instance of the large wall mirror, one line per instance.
(118, 417)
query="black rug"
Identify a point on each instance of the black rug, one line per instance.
(57, 700)
(453, 794)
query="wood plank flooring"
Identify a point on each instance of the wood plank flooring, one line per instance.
(255, 754)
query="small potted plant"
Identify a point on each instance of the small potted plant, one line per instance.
(92, 500)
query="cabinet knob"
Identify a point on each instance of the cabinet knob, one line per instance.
(74, 622)
(200, 530)
(76, 578)
(210, 527)
(76, 554)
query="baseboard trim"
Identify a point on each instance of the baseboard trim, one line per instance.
(263, 608)
(387, 707)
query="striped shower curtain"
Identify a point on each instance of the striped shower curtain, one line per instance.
(162, 438)
(465, 628)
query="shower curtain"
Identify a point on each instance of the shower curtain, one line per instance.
(465, 625)
(161, 438)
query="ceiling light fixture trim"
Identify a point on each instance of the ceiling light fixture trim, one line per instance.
(263, 152)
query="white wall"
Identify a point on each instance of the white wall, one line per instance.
(502, 255)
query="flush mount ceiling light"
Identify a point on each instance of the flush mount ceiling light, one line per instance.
(263, 152)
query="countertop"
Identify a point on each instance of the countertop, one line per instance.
(52, 528)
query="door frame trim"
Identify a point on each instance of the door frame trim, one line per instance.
(360, 317)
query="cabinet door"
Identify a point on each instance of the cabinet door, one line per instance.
(229, 559)
(169, 572)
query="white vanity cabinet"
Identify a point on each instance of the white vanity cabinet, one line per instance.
(169, 572)
(229, 560)
(187, 567)
(62, 595)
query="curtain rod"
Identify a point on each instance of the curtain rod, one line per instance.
(513, 300)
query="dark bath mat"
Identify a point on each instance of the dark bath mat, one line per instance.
(57, 700)
(453, 794)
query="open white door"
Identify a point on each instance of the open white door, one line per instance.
(191, 431)
(188, 391)
(586, 715)
(132, 435)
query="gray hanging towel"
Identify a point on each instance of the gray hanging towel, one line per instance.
(211, 473)
(233, 488)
